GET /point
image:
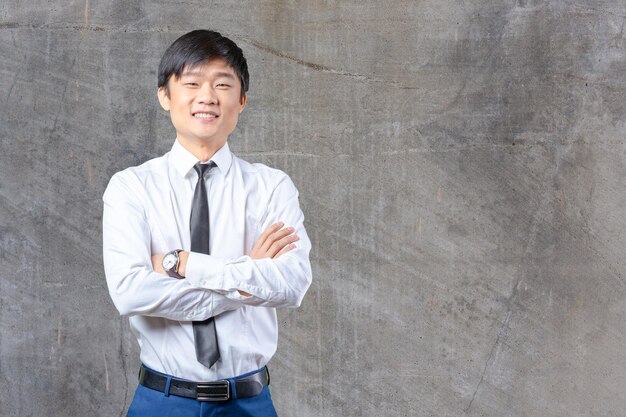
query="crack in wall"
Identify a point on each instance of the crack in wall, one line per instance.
(600, 11)
(84, 27)
(319, 67)
(87, 27)
(560, 156)
(493, 347)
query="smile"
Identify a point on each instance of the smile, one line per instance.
(205, 115)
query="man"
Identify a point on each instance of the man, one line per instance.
(196, 248)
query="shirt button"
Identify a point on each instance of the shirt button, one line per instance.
(189, 316)
(205, 282)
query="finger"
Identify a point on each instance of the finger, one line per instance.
(277, 236)
(273, 228)
(286, 249)
(280, 244)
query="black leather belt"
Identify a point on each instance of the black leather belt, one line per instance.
(248, 386)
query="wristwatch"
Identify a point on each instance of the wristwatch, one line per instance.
(170, 263)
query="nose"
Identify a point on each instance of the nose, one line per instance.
(207, 95)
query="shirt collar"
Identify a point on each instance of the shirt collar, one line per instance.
(183, 160)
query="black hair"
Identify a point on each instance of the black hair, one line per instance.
(198, 47)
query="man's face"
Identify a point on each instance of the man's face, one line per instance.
(204, 103)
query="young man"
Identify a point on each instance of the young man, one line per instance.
(197, 251)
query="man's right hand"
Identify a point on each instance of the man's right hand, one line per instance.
(274, 241)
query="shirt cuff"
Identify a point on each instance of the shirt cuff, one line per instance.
(205, 271)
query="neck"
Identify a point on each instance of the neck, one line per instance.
(201, 150)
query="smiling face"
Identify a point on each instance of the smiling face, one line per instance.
(204, 103)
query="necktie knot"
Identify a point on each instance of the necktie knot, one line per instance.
(202, 169)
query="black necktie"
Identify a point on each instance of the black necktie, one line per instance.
(204, 332)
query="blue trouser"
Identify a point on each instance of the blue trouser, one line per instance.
(151, 403)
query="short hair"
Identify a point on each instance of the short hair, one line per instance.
(198, 47)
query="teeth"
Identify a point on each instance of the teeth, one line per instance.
(205, 116)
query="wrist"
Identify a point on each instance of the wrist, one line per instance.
(182, 263)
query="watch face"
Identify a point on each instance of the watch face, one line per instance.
(169, 261)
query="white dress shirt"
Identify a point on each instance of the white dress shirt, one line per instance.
(147, 210)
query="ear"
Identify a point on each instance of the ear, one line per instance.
(243, 102)
(164, 98)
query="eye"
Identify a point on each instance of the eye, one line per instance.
(222, 85)
(191, 84)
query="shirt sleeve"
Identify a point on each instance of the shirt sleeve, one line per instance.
(134, 287)
(279, 282)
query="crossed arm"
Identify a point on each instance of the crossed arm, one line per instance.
(275, 274)
(272, 243)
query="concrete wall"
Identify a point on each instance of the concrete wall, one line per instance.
(461, 167)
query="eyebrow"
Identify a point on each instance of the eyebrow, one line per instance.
(216, 75)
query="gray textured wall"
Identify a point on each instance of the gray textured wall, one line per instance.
(461, 167)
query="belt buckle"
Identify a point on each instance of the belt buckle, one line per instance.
(213, 391)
